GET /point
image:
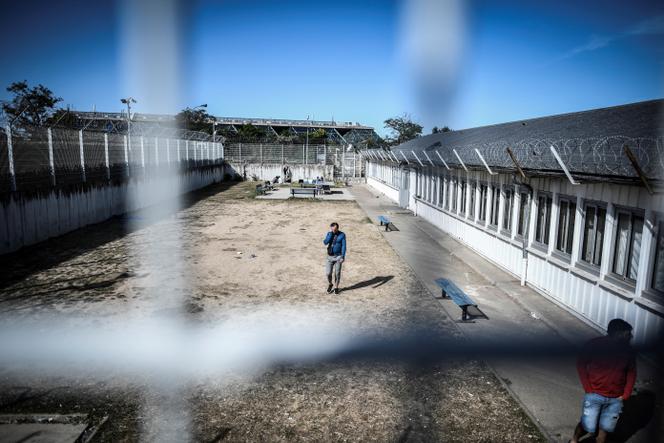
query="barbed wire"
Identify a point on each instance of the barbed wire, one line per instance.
(598, 156)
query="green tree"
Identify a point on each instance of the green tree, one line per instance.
(436, 129)
(250, 133)
(63, 118)
(195, 119)
(29, 105)
(402, 129)
(317, 136)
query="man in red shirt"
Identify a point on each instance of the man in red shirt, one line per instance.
(607, 369)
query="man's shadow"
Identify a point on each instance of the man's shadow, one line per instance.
(637, 412)
(374, 282)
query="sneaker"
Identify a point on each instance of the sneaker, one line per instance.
(330, 288)
(336, 291)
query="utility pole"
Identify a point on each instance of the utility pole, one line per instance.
(128, 101)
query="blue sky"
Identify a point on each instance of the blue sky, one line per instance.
(345, 59)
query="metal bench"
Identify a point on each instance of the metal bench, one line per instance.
(303, 191)
(384, 221)
(450, 290)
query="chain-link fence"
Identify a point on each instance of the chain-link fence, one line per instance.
(346, 164)
(39, 158)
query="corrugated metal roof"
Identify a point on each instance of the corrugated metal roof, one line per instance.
(590, 143)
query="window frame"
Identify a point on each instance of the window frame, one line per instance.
(523, 200)
(507, 212)
(548, 202)
(483, 203)
(473, 197)
(597, 206)
(454, 192)
(656, 255)
(571, 216)
(495, 206)
(632, 212)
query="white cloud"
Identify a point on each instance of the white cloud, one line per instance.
(651, 26)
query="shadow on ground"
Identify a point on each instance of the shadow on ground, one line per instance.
(374, 282)
(21, 264)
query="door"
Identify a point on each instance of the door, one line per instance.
(404, 190)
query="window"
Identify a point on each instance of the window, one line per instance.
(522, 228)
(483, 202)
(462, 208)
(507, 210)
(432, 184)
(658, 270)
(543, 215)
(627, 247)
(441, 190)
(495, 204)
(566, 216)
(593, 235)
(471, 202)
(453, 195)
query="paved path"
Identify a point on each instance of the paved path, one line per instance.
(547, 388)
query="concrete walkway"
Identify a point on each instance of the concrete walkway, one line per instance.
(548, 388)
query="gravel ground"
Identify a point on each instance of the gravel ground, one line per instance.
(241, 257)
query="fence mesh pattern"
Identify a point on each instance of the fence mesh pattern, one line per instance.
(38, 158)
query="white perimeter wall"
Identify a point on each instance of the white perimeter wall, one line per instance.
(590, 297)
(391, 192)
(26, 221)
(267, 171)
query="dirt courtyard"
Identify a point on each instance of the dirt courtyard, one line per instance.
(240, 256)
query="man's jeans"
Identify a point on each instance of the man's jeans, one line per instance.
(333, 263)
(596, 408)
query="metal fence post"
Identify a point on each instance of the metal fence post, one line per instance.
(177, 143)
(222, 150)
(51, 163)
(354, 164)
(186, 151)
(10, 159)
(108, 168)
(126, 155)
(80, 144)
(142, 154)
(304, 155)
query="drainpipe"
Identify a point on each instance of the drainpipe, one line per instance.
(524, 245)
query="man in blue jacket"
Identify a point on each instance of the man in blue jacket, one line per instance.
(336, 254)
